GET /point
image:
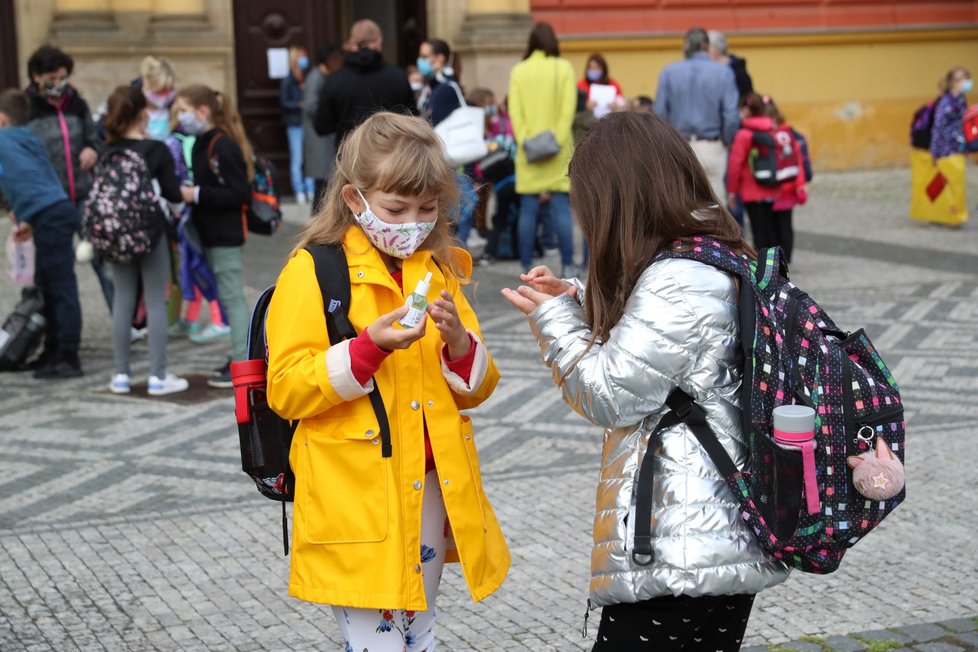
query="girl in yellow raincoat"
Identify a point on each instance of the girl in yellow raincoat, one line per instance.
(371, 533)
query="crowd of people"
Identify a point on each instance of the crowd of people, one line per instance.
(70, 174)
(620, 328)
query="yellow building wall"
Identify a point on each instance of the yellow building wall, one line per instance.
(852, 94)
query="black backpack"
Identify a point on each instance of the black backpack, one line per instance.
(22, 330)
(265, 437)
(922, 124)
(772, 157)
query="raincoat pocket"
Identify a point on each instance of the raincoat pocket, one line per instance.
(342, 484)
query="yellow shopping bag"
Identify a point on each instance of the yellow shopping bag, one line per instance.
(937, 190)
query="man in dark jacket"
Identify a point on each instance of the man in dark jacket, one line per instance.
(364, 85)
(718, 52)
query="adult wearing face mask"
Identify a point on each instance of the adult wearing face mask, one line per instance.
(440, 94)
(596, 72)
(364, 85)
(61, 119)
(291, 100)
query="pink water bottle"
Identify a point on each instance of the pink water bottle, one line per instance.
(794, 427)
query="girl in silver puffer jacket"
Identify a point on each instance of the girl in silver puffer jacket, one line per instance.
(617, 348)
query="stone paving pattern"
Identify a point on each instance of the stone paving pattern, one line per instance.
(126, 523)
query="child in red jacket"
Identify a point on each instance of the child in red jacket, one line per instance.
(762, 187)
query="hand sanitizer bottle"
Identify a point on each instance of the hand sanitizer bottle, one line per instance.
(416, 302)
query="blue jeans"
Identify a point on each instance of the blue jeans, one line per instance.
(468, 199)
(560, 216)
(300, 184)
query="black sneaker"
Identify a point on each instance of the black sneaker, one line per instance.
(221, 377)
(46, 359)
(58, 370)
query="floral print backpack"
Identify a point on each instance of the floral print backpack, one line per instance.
(123, 212)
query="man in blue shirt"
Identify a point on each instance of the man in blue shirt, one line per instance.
(699, 98)
(42, 209)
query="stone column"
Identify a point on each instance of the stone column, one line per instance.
(491, 41)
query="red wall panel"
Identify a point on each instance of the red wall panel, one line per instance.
(672, 16)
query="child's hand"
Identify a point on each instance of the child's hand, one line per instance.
(87, 158)
(543, 280)
(388, 337)
(525, 298)
(23, 231)
(453, 333)
(187, 193)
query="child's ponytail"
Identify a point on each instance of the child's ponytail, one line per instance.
(224, 116)
(228, 119)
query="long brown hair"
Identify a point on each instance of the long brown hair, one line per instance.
(392, 153)
(224, 116)
(125, 106)
(543, 38)
(636, 188)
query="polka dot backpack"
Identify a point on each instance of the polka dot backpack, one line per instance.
(806, 504)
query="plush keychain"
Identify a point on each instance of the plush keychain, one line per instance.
(877, 473)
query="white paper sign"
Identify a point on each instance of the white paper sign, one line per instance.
(278, 63)
(603, 96)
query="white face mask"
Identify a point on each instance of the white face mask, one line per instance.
(398, 240)
(190, 124)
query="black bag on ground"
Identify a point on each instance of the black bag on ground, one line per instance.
(22, 330)
(265, 437)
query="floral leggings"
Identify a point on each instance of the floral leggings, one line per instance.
(397, 630)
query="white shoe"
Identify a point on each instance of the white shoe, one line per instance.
(476, 240)
(120, 384)
(168, 385)
(301, 198)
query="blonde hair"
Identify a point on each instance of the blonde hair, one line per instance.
(398, 154)
(295, 52)
(224, 116)
(157, 73)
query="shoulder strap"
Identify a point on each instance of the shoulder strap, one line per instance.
(333, 275)
(682, 409)
(458, 91)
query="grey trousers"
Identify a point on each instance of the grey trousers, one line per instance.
(155, 271)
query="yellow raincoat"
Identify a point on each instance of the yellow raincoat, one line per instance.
(357, 517)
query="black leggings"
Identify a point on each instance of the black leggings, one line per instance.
(668, 624)
(770, 228)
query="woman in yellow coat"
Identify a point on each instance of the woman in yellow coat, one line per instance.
(542, 97)
(370, 533)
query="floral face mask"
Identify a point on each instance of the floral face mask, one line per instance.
(398, 240)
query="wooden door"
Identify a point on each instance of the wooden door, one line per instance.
(258, 26)
(8, 46)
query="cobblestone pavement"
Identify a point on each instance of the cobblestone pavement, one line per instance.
(126, 523)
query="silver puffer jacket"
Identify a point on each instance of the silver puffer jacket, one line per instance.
(679, 329)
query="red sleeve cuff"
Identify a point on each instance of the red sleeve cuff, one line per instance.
(462, 366)
(365, 357)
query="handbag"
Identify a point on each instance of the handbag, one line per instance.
(463, 132)
(544, 145)
(497, 166)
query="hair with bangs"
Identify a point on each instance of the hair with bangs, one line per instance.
(392, 153)
(635, 186)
